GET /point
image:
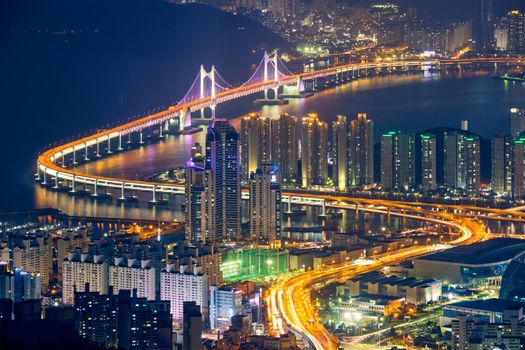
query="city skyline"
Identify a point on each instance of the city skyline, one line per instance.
(282, 175)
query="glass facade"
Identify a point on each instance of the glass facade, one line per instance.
(513, 283)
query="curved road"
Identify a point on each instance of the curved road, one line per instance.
(289, 301)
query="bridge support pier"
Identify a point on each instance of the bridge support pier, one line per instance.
(44, 175)
(141, 141)
(73, 185)
(129, 138)
(154, 197)
(109, 145)
(122, 197)
(95, 189)
(119, 142)
(98, 149)
(289, 211)
(56, 187)
(74, 156)
(161, 135)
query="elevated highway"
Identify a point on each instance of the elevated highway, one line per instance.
(57, 165)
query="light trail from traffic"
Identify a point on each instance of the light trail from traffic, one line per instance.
(295, 306)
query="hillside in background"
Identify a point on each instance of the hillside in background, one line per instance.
(107, 59)
(82, 64)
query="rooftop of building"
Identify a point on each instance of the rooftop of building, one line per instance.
(486, 252)
(488, 305)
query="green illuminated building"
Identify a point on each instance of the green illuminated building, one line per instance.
(243, 264)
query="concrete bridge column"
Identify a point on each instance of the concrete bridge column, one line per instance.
(160, 131)
(95, 189)
(98, 148)
(62, 159)
(119, 141)
(109, 145)
(73, 185)
(154, 199)
(56, 181)
(122, 192)
(74, 157)
(141, 141)
(86, 158)
(289, 205)
(44, 182)
(129, 138)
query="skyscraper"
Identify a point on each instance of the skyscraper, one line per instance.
(265, 204)
(222, 157)
(192, 326)
(501, 165)
(516, 32)
(483, 25)
(256, 141)
(517, 121)
(341, 149)
(362, 151)
(472, 164)
(462, 161)
(314, 140)
(199, 210)
(285, 150)
(518, 167)
(428, 162)
(398, 161)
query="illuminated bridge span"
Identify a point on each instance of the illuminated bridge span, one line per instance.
(209, 89)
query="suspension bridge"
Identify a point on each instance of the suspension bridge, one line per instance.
(56, 166)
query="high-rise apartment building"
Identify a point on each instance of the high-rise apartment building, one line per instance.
(516, 32)
(341, 152)
(133, 274)
(222, 157)
(201, 255)
(428, 162)
(462, 161)
(314, 156)
(18, 285)
(32, 253)
(123, 320)
(180, 285)
(68, 241)
(518, 167)
(285, 150)
(265, 204)
(501, 165)
(80, 269)
(362, 151)
(200, 209)
(398, 161)
(256, 143)
(517, 121)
